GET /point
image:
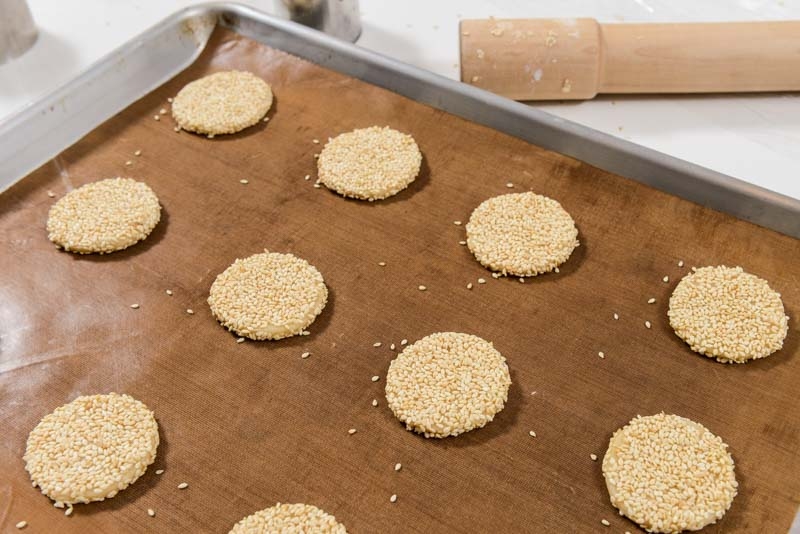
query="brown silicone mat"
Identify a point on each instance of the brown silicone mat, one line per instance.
(248, 425)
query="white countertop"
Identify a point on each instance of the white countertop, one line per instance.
(753, 137)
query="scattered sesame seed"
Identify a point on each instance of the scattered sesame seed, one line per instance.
(377, 344)
(183, 485)
(315, 141)
(556, 270)
(680, 263)
(21, 524)
(398, 466)
(352, 431)
(317, 186)
(382, 263)
(616, 317)
(393, 498)
(243, 181)
(457, 223)
(305, 355)
(593, 457)
(532, 434)
(169, 292)
(481, 281)
(51, 194)
(462, 243)
(665, 279)
(469, 285)
(177, 129)
(651, 301)
(159, 471)
(135, 306)
(521, 280)
(374, 402)
(162, 111)
(465, 33)
(128, 163)
(266, 119)
(391, 347)
(316, 156)
(509, 185)
(422, 288)
(151, 512)
(605, 522)
(601, 354)
(496, 275)
(307, 177)
(157, 117)
(376, 378)
(69, 510)
(647, 324)
(169, 100)
(404, 341)
(240, 340)
(475, 79)
(190, 311)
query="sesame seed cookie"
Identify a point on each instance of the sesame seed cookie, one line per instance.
(669, 474)
(521, 234)
(222, 103)
(369, 164)
(91, 448)
(728, 314)
(268, 296)
(289, 519)
(447, 383)
(105, 216)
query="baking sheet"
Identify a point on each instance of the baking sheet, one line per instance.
(248, 425)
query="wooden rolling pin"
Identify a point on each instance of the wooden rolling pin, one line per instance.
(574, 59)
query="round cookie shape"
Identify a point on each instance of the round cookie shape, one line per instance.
(222, 103)
(669, 474)
(369, 163)
(521, 234)
(728, 314)
(447, 383)
(268, 296)
(104, 216)
(91, 448)
(289, 519)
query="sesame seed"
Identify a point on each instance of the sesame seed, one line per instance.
(135, 306)
(305, 355)
(169, 292)
(69, 510)
(376, 378)
(239, 340)
(532, 434)
(315, 141)
(266, 119)
(647, 324)
(465, 33)
(382, 263)
(601, 354)
(616, 317)
(159, 471)
(475, 79)
(665, 279)
(151, 512)
(243, 181)
(462, 243)
(404, 341)
(509, 185)
(556, 270)
(377, 344)
(177, 129)
(605, 522)
(496, 275)
(393, 498)
(183, 485)
(307, 177)
(391, 347)
(398, 466)
(317, 186)
(162, 111)
(316, 156)
(128, 163)
(593, 457)
(157, 117)
(352, 431)
(422, 288)
(457, 223)
(374, 402)
(481, 281)
(651, 301)
(21, 524)
(169, 100)
(469, 285)
(51, 194)
(190, 311)
(521, 280)
(680, 263)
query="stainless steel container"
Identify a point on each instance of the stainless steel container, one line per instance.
(17, 30)
(339, 18)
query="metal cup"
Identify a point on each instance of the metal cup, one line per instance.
(339, 18)
(17, 30)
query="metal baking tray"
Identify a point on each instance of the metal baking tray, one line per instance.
(42, 130)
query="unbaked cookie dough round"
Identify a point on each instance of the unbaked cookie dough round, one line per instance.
(91, 448)
(370, 163)
(669, 474)
(728, 314)
(446, 384)
(222, 103)
(521, 234)
(103, 216)
(268, 296)
(289, 519)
